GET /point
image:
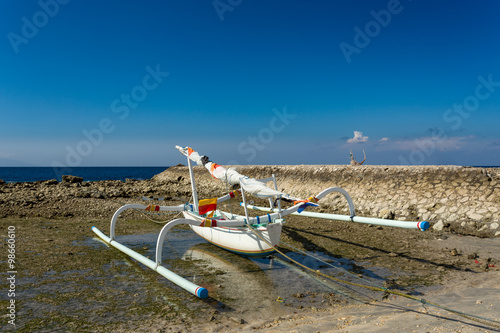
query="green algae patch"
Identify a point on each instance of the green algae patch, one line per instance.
(68, 279)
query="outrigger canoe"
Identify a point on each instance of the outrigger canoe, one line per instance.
(242, 234)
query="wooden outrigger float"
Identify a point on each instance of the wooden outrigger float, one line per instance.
(241, 234)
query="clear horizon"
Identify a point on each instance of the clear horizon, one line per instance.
(249, 82)
(185, 164)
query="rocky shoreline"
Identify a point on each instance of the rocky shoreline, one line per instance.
(61, 262)
(461, 200)
(73, 197)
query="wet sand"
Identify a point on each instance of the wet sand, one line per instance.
(69, 281)
(473, 290)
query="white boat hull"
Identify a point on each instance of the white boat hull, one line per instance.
(240, 240)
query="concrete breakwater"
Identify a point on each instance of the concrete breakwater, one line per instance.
(458, 199)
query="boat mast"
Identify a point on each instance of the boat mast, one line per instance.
(245, 204)
(193, 184)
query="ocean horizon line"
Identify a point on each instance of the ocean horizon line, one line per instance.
(28, 174)
(88, 173)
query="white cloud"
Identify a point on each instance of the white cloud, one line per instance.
(358, 138)
(454, 143)
(384, 140)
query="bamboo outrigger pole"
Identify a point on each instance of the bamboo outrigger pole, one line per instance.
(423, 225)
(178, 280)
(154, 265)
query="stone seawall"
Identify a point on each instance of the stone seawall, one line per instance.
(452, 198)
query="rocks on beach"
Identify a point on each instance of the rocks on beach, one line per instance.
(456, 199)
(71, 179)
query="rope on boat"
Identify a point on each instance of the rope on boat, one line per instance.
(227, 192)
(386, 291)
(325, 262)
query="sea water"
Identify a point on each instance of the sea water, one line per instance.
(32, 174)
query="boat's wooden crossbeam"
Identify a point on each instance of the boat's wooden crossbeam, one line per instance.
(166, 228)
(156, 265)
(114, 219)
(346, 195)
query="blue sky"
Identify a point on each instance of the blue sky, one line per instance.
(84, 83)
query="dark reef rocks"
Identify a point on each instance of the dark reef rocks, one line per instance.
(457, 199)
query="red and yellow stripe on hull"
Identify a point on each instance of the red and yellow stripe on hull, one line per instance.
(261, 253)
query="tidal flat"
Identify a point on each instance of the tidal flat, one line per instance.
(69, 280)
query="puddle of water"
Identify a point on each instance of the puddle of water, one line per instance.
(120, 289)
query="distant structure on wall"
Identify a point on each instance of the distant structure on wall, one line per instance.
(353, 160)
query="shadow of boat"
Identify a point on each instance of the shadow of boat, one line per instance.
(237, 276)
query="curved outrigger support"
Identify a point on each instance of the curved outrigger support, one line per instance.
(156, 265)
(423, 225)
(346, 195)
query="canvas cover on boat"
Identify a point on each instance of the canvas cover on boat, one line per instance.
(232, 177)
